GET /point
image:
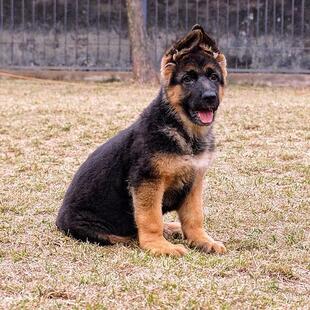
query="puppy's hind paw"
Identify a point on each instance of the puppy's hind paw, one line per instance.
(173, 230)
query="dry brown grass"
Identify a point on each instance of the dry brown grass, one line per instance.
(257, 196)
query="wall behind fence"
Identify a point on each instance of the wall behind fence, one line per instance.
(255, 35)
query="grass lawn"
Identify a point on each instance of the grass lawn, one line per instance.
(256, 197)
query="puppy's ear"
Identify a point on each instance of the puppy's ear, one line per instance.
(220, 58)
(205, 39)
(167, 68)
(209, 45)
(178, 49)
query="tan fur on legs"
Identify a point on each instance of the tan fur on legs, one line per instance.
(173, 229)
(147, 200)
(191, 217)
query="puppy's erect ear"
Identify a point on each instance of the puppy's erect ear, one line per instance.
(223, 64)
(194, 40)
(167, 68)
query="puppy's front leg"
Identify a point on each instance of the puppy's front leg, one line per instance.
(191, 217)
(147, 200)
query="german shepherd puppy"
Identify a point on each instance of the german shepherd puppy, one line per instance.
(156, 165)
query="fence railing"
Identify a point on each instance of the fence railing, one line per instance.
(255, 35)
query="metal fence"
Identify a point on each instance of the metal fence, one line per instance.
(255, 35)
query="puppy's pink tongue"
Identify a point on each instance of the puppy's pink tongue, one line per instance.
(205, 116)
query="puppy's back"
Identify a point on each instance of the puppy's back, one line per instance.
(97, 199)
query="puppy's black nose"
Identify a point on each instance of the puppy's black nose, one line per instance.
(209, 95)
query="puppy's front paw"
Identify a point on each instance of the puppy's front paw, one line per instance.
(164, 247)
(213, 246)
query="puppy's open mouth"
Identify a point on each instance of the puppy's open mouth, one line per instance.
(202, 117)
(206, 117)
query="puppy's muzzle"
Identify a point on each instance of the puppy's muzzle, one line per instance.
(209, 100)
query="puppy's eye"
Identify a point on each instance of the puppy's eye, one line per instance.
(214, 77)
(187, 79)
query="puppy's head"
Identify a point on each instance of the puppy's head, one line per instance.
(193, 74)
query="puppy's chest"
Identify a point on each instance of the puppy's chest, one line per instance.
(194, 153)
(180, 180)
(201, 161)
(178, 170)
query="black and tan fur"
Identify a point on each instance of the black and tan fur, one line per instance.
(156, 165)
